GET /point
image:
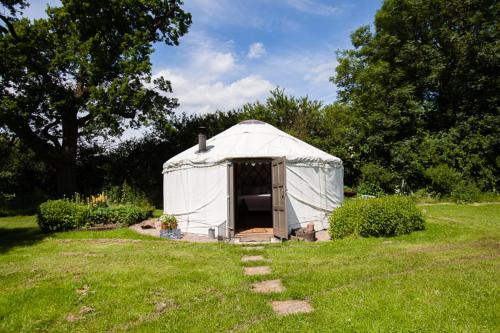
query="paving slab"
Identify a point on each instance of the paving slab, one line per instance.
(251, 248)
(257, 270)
(284, 308)
(267, 287)
(253, 258)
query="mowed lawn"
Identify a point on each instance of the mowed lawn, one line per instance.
(443, 279)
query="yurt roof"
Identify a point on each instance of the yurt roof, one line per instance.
(251, 139)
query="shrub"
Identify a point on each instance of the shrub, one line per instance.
(465, 192)
(443, 178)
(386, 216)
(370, 189)
(56, 215)
(121, 214)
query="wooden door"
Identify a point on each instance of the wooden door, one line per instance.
(231, 193)
(280, 223)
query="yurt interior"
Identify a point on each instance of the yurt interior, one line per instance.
(253, 196)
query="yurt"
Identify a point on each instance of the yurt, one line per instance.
(252, 177)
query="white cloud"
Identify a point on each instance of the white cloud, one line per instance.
(321, 73)
(212, 78)
(256, 50)
(313, 7)
(212, 95)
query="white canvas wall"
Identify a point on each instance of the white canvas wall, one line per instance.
(313, 191)
(197, 196)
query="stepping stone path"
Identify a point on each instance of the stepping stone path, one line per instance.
(281, 308)
(290, 307)
(253, 258)
(258, 270)
(267, 287)
(251, 248)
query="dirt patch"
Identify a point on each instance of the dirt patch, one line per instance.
(86, 309)
(165, 305)
(269, 286)
(257, 270)
(284, 308)
(72, 318)
(83, 290)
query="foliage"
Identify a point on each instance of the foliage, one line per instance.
(83, 73)
(168, 221)
(385, 216)
(443, 178)
(121, 214)
(465, 192)
(422, 92)
(370, 189)
(65, 214)
(57, 215)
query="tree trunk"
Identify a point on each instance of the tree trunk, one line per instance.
(66, 166)
(66, 178)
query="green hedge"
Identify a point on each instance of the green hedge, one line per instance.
(57, 215)
(385, 216)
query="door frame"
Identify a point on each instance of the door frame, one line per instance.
(231, 187)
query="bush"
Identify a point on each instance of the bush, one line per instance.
(121, 214)
(443, 178)
(370, 189)
(56, 215)
(386, 216)
(465, 192)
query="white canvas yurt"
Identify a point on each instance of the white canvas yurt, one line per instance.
(252, 177)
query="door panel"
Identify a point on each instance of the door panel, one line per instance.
(280, 223)
(230, 201)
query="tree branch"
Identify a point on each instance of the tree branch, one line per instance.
(9, 25)
(45, 133)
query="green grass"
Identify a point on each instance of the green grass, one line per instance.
(442, 279)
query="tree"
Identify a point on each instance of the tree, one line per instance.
(426, 73)
(84, 73)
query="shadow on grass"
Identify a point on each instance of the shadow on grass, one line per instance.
(21, 236)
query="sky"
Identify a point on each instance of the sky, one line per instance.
(236, 51)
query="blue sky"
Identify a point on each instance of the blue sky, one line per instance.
(238, 50)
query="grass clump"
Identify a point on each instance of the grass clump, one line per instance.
(385, 216)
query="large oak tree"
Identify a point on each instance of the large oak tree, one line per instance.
(83, 73)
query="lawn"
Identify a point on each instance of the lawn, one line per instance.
(444, 279)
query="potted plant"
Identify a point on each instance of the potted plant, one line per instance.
(168, 225)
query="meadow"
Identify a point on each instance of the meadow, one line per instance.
(444, 278)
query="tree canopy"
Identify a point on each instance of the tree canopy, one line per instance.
(423, 88)
(84, 72)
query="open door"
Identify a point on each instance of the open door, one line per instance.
(230, 201)
(280, 223)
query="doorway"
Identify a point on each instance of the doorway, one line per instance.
(253, 213)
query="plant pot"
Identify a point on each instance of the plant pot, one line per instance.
(170, 233)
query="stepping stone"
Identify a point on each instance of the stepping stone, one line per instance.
(253, 258)
(269, 286)
(284, 308)
(258, 270)
(250, 248)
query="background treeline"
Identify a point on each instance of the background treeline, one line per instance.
(417, 112)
